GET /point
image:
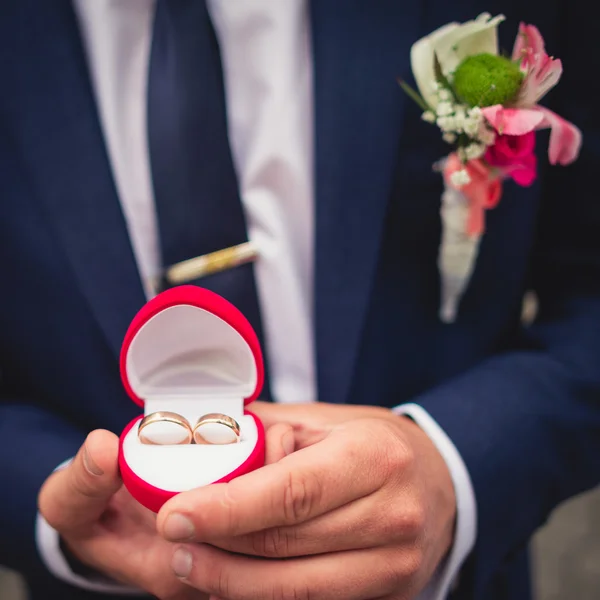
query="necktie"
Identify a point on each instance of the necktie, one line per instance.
(195, 187)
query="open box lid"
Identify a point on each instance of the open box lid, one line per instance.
(189, 341)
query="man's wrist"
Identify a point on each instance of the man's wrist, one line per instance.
(62, 564)
(466, 508)
(440, 481)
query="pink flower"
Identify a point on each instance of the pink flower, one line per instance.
(483, 190)
(541, 75)
(565, 138)
(514, 156)
(542, 72)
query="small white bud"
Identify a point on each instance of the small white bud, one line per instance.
(460, 178)
(473, 151)
(444, 109)
(471, 127)
(444, 95)
(460, 112)
(446, 123)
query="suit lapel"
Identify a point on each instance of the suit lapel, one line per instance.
(70, 172)
(360, 49)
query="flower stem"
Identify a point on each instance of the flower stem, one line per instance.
(413, 94)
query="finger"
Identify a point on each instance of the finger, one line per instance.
(272, 413)
(138, 567)
(74, 498)
(346, 575)
(316, 415)
(358, 525)
(261, 410)
(343, 467)
(302, 417)
(279, 442)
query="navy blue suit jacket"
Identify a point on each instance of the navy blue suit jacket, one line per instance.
(521, 404)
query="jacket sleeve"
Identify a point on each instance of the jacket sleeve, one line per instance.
(33, 443)
(527, 423)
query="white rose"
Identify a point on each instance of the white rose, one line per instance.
(452, 43)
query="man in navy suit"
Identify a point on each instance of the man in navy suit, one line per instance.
(137, 135)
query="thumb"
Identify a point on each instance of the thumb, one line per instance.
(72, 499)
(270, 413)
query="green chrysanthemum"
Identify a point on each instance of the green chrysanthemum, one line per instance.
(486, 80)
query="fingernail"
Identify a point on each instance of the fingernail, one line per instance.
(90, 466)
(288, 442)
(178, 528)
(181, 563)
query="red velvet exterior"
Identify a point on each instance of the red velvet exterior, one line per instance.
(192, 295)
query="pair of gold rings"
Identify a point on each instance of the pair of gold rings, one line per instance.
(169, 428)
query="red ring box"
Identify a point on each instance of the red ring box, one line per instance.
(191, 352)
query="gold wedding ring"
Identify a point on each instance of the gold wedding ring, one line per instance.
(217, 429)
(165, 428)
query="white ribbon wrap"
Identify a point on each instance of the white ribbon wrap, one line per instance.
(458, 252)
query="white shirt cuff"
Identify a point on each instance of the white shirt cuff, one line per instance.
(466, 507)
(48, 544)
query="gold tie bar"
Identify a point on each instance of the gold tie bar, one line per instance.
(207, 264)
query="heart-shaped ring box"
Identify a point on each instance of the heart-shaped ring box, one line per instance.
(191, 352)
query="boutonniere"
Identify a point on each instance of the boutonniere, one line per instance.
(486, 107)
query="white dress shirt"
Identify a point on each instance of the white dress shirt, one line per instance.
(266, 53)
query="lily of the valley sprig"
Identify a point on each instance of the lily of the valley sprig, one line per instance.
(486, 107)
